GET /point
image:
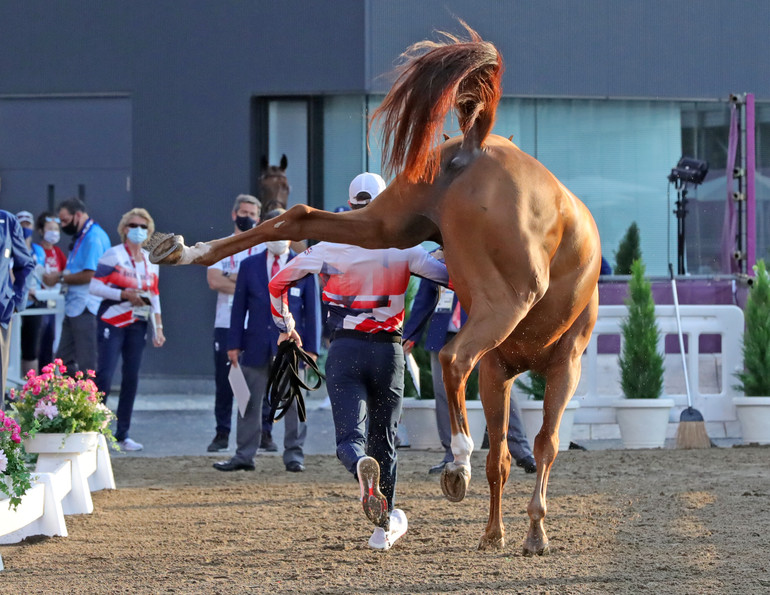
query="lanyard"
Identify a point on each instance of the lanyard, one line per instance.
(232, 259)
(136, 271)
(79, 240)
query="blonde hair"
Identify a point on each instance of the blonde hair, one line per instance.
(136, 212)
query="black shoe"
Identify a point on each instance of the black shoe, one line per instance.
(529, 465)
(266, 443)
(219, 443)
(233, 466)
(295, 467)
(436, 469)
(576, 446)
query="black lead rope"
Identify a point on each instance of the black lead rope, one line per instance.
(284, 383)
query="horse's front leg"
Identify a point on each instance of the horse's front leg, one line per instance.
(495, 385)
(484, 330)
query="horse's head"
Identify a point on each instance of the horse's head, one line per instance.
(273, 185)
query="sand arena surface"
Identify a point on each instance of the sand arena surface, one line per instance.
(662, 521)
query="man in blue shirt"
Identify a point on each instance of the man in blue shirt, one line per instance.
(77, 345)
(16, 263)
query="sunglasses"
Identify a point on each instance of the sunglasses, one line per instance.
(135, 225)
(52, 220)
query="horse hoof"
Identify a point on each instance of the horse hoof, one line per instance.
(165, 248)
(530, 550)
(487, 543)
(454, 481)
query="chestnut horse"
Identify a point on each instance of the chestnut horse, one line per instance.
(522, 251)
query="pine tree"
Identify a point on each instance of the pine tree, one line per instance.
(755, 378)
(641, 365)
(629, 250)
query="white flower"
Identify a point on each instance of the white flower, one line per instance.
(3, 461)
(50, 410)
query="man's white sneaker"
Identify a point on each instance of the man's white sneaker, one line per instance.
(374, 503)
(129, 445)
(384, 540)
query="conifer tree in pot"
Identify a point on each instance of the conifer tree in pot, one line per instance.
(629, 250)
(642, 415)
(753, 410)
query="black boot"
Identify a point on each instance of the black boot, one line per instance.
(219, 443)
(266, 443)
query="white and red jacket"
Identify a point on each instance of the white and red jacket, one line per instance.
(117, 270)
(363, 289)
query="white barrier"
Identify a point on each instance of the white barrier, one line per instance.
(599, 384)
(40, 511)
(15, 375)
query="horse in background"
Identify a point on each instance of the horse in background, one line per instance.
(274, 186)
(523, 254)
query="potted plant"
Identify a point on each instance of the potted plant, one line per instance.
(14, 476)
(532, 410)
(60, 412)
(642, 415)
(629, 250)
(753, 409)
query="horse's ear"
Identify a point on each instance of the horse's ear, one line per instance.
(446, 136)
(510, 138)
(284, 162)
(263, 163)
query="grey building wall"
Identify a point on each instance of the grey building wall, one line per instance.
(190, 70)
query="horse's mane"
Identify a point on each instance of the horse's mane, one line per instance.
(434, 78)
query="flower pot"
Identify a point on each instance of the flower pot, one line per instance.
(476, 422)
(754, 415)
(643, 422)
(532, 419)
(57, 443)
(419, 418)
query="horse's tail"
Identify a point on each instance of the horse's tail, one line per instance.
(435, 77)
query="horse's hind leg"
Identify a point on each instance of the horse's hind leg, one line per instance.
(495, 381)
(562, 376)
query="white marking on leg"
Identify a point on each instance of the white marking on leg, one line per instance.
(462, 447)
(190, 255)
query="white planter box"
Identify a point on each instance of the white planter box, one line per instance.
(419, 418)
(532, 419)
(643, 422)
(754, 416)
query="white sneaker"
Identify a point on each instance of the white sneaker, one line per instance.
(384, 540)
(129, 445)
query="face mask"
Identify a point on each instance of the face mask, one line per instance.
(51, 236)
(137, 235)
(245, 223)
(71, 228)
(277, 247)
(27, 231)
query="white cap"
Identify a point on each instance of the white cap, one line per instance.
(373, 184)
(25, 217)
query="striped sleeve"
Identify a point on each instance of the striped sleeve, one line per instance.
(307, 263)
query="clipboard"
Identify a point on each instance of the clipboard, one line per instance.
(240, 388)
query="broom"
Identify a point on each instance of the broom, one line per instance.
(692, 429)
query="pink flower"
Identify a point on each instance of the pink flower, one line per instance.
(48, 409)
(91, 373)
(79, 374)
(48, 369)
(15, 438)
(8, 423)
(2, 415)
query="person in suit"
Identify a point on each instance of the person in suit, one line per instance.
(254, 345)
(446, 316)
(16, 264)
